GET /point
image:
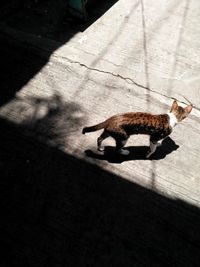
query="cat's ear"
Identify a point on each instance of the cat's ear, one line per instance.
(174, 106)
(188, 109)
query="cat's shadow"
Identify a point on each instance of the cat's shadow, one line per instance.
(136, 152)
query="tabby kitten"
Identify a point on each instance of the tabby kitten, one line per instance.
(120, 127)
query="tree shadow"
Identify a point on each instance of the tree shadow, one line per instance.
(135, 152)
(57, 210)
(48, 119)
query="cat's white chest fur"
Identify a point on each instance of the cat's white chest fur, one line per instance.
(172, 120)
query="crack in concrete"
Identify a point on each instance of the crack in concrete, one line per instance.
(123, 78)
(7, 31)
(117, 76)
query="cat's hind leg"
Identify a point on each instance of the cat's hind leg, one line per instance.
(100, 139)
(120, 143)
(121, 138)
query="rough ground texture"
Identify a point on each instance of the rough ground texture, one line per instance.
(62, 202)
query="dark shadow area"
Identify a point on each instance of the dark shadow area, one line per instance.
(57, 210)
(135, 152)
(18, 65)
(30, 31)
(96, 8)
(49, 18)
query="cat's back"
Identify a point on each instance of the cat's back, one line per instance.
(146, 118)
(141, 122)
(135, 117)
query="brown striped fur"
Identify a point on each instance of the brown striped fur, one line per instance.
(121, 126)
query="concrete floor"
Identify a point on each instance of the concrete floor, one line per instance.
(65, 204)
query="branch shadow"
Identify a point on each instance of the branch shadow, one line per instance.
(135, 152)
(178, 47)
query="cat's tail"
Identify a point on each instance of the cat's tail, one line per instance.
(94, 128)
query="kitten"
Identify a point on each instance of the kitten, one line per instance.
(120, 127)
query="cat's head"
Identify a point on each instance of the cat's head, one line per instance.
(179, 112)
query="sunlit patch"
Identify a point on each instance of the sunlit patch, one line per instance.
(77, 114)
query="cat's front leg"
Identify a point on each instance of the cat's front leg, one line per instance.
(152, 148)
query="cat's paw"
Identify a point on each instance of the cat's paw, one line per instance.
(159, 143)
(148, 154)
(101, 149)
(123, 152)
